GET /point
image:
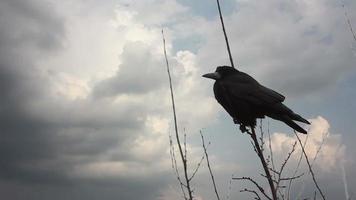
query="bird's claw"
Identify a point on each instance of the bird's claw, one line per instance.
(243, 128)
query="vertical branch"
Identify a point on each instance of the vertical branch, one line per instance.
(297, 168)
(270, 148)
(310, 168)
(349, 22)
(184, 161)
(319, 148)
(208, 162)
(225, 35)
(345, 181)
(264, 164)
(175, 166)
(229, 189)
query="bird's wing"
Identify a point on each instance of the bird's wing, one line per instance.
(271, 94)
(252, 92)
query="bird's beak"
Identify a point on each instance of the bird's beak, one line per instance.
(214, 75)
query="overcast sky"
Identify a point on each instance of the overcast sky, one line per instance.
(85, 107)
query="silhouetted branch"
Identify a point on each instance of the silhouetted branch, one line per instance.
(253, 192)
(208, 163)
(310, 168)
(284, 164)
(229, 189)
(198, 166)
(225, 35)
(297, 168)
(255, 183)
(349, 22)
(185, 145)
(264, 164)
(270, 148)
(292, 178)
(175, 167)
(262, 141)
(184, 161)
(319, 149)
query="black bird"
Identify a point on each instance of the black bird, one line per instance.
(246, 100)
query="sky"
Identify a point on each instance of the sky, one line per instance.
(85, 109)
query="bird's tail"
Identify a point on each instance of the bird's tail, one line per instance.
(298, 118)
(294, 125)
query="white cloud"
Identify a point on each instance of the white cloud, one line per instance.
(287, 44)
(331, 150)
(125, 135)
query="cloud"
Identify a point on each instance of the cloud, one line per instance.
(85, 109)
(140, 71)
(286, 45)
(319, 142)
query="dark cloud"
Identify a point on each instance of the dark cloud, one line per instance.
(30, 25)
(43, 138)
(287, 45)
(50, 146)
(138, 73)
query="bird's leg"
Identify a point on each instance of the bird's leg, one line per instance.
(243, 128)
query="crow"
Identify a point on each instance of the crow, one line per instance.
(246, 100)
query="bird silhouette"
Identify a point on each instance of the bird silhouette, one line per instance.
(246, 100)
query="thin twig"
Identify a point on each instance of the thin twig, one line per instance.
(185, 145)
(284, 164)
(264, 164)
(255, 183)
(310, 168)
(198, 166)
(229, 189)
(297, 168)
(292, 178)
(262, 136)
(270, 148)
(208, 162)
(253, 192)
(225, 35)
(175, 167)
(319, 149)
(184, 161)
(349, 22)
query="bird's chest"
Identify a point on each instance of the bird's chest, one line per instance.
(235, 106)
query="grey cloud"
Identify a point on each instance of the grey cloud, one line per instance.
(42, 137)
(140, 72)
(297, 52)
(30, 24)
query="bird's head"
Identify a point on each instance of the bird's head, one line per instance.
(221, 72)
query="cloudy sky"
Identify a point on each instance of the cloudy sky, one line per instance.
(85, 109)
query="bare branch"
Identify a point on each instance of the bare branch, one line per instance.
(253, 192)
(184, 161)
(262, 142)
(284, 164)
(229, 190)
(310, 168)
(349, 22)
(175, 167)
(297, 168)
(198, 166)
(255, 183)
(208, 162)
(185, 145)
(319, 149)
(270, 148)
(292, 178)
(264, 164)
(225, 35)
